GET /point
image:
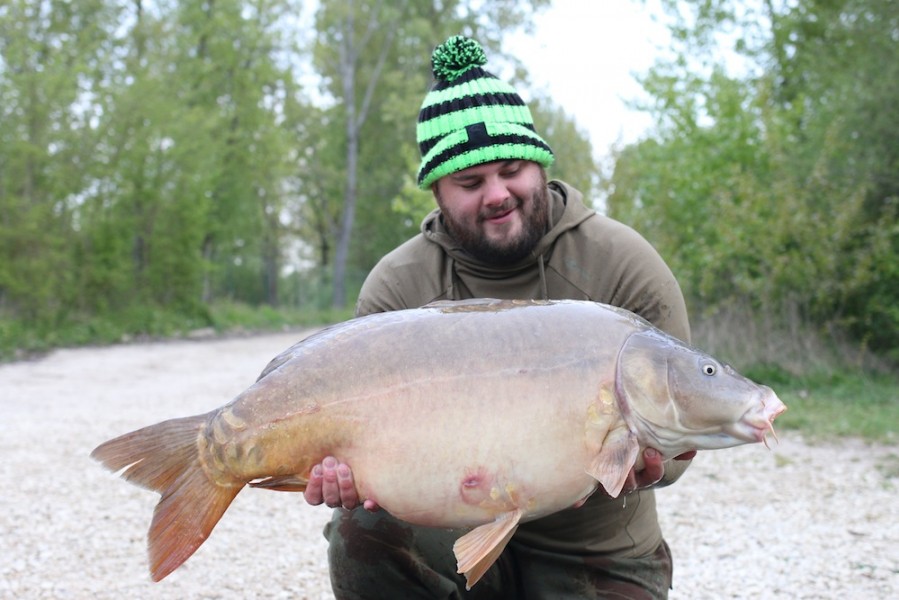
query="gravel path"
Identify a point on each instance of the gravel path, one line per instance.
(798, 522)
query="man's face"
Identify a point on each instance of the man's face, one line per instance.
(497, 211)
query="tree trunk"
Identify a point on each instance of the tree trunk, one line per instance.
(355, 118)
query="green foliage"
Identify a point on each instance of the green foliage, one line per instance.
(831, 386)
(167, 142)
(159, 158)
(230, 317)
(844, 404)
(770, 186)
(19, 338)
(49, 52)
(137, 323)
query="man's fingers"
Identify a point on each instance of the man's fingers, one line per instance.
(653, 469)
(331, 483)
(346, 487)
(330, 487)
(313, 491)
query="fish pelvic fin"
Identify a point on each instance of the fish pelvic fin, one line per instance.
(478, 549)
(615, 459)
(284, 483)
(165, 458)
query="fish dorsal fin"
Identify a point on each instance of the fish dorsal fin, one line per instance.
(471, 304)
(478, 549)
(615, 459)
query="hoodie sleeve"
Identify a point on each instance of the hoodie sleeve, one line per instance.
(647, 287)
(410, 276)
(606, 261)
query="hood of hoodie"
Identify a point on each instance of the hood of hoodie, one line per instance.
(567, 210)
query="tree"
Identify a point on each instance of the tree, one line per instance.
(574, 161)
(51, 58)
(188, 209)
(772, 185)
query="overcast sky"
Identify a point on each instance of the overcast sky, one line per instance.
(585, 54)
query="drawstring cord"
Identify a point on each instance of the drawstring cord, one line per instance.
(543, 288)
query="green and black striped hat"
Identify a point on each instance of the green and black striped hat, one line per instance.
(470, 117)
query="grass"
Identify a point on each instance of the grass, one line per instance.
(832, 386)
(20, 340)
(232, 316)
(836, 404)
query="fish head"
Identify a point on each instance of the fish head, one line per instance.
(677, 398)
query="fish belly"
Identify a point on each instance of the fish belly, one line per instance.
(440, 460)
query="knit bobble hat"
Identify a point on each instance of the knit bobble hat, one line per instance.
(470, 117)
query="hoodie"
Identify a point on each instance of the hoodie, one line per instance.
(582, 256)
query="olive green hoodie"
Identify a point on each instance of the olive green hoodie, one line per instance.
(583, 256)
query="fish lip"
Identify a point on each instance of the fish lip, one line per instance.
(749, 431)
(756, 423)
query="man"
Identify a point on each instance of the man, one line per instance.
(502, 231)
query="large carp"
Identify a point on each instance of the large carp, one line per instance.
(478, 414)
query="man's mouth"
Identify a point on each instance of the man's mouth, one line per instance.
(501, 216)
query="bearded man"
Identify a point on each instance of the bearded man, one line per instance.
(501, 230)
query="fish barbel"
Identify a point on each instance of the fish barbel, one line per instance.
(478, 414)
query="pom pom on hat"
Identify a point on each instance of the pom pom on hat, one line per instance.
(455, 56)
(470, 117)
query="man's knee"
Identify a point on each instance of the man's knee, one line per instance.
(364, 536)
(374, 555)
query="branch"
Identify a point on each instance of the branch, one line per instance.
(382, 58)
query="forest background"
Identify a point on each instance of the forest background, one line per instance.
(168, 167)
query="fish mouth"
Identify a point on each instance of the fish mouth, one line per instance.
(757, 422)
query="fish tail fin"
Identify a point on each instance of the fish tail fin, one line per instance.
(165, 458)
(184, 518)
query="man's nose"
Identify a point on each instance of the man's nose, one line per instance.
(496, 191)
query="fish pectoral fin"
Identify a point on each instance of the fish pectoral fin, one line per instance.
(478, 549)
(282, 483)
(616, 458)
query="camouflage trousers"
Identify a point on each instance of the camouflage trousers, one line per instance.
(375, 556)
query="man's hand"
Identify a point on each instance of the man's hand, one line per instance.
(652, 472)
(331, 483)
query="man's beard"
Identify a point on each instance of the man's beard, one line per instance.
(534, 223)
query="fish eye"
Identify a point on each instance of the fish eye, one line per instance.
(709, 369)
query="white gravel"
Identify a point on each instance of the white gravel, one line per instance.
(801, 521)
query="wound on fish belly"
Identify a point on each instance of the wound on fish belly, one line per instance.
(476, 486)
